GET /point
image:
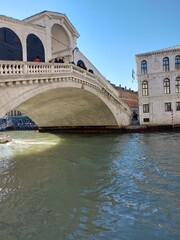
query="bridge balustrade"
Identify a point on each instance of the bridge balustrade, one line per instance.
(18, 69)
(28, 73)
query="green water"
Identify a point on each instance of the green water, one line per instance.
(90, 187)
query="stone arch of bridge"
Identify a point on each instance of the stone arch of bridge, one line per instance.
(67, 104)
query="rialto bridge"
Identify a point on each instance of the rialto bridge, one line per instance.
(60, 95)
(54, 94)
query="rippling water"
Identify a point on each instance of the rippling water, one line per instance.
(90, 187)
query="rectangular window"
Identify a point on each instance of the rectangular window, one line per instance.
(167, 107)
(178, 106)
(145, 108)
(145, 119)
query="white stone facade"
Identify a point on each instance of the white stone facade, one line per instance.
(54, 94)
(158, 75)
(55, 31)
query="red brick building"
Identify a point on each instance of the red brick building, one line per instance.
(128, 96)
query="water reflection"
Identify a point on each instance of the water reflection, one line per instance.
(89, 187)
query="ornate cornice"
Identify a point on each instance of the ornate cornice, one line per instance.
(19, 22)
(166, 50)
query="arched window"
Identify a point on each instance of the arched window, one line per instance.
(177, 62)
(178, 85)
(166, 86)
(10, 45)
(144, 67)
(34, 48)
(166, 64)
(145, 88)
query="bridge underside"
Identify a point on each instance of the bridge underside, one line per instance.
(68, 107)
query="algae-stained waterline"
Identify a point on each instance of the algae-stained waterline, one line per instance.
(95, 187)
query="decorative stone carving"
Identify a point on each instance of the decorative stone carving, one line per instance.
(156, 65)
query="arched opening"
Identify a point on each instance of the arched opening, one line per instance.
(34, 48)
(16, 120)
(59, 41)
(81, 64)
(10, 45)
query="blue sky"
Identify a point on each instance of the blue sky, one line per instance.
(111, 31)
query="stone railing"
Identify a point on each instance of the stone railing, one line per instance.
(18, 70)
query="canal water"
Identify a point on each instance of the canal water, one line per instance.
(90, 187)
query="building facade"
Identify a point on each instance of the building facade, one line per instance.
(129, 96)
(158, 75)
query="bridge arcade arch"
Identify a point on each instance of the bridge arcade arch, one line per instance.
(60, 41)
(10, 45)
(34, 48)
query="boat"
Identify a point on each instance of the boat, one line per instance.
(5, 138)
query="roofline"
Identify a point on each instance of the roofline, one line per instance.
(17, 21)
(165, 50)
(45, 12)
(34, 15)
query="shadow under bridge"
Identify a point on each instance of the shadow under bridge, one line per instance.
(60, 96)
